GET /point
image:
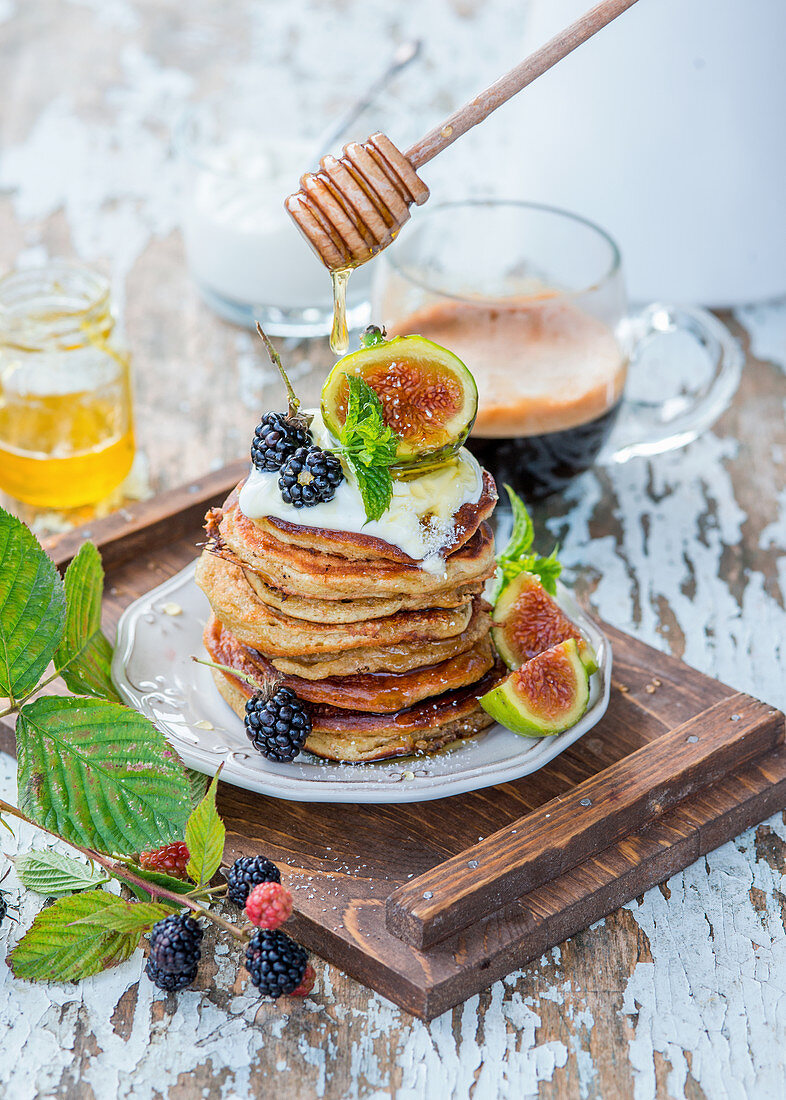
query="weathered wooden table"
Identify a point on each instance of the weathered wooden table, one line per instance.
(680, 993)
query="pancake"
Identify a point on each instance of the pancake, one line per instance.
(236, 605)
(360, 547)
(309, 573)
(392, 658)
(352, 611)
(378, 693)
(353, 737)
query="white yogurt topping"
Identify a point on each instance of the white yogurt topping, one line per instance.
(419, 520)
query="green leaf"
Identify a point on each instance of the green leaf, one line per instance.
(32, 608)
(99, 775)
(518, 556)
(548, 569)
(376, 488)
(198, 783)
(523, 533)
(54, 874)
(126, 916)
(84, 656)
(205, 835)
(156, 878)
(369, 446)
(58, 950)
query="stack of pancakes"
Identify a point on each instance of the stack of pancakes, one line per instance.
(389, 658)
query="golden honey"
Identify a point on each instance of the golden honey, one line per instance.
(66, 431)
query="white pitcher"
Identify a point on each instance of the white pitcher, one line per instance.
(668, 128)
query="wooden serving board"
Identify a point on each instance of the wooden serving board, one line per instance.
(431, 902)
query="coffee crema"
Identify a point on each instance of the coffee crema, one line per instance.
(541, 364)
(550, 378)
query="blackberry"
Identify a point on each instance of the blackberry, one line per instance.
(174, 945)
(277, 436)
(276, 963)
(3, 908)
(310, 476)
(277, 725)
(246, 873)
(170, 983)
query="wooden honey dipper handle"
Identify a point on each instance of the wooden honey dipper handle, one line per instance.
(353, 206)
(512, 82)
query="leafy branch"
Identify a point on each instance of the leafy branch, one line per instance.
(92, 773)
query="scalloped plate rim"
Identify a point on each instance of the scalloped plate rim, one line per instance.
(287, 781)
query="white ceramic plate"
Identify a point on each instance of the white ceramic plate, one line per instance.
(155, 674)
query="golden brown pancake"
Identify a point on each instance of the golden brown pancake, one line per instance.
(359, 547)
(310, 573)
(235, 603)
(390, 658)
(355, 610)
(357, 736)
(378, 693)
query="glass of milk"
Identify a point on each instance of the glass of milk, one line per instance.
(243, 250)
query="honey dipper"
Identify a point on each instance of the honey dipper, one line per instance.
(355, 205)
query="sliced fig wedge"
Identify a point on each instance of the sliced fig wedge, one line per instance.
(545, 696)
(428, 396)
(527, 621)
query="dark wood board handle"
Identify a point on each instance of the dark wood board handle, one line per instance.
(582, 823)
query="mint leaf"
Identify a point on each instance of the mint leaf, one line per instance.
(58, 950)
(523, 533)
(84, 656)
(518, 556)
(548, 569)
(205, 835)
(99, 775)
(54, 874)
(32, 609)
(156, 878)
(376, 488)
(126, 916)
(369, 445)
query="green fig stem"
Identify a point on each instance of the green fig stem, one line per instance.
(275, 359)
(372, 335)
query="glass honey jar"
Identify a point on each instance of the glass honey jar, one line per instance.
(66, 424)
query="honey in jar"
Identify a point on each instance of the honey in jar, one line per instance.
(66, 428)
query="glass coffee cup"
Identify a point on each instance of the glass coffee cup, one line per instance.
(533, 300)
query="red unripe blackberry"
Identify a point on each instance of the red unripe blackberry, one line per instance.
(269, 905)
(172, 859)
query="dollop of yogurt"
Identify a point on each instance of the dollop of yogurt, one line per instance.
(419, 521)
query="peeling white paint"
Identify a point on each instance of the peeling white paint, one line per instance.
(712, 1001)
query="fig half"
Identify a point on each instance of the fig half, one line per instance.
(528, 621)
(545, 696)
(428, 396)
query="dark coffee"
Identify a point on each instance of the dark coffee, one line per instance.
(538, 465)
(550, 377)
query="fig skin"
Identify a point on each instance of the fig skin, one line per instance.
(546, 696)
(429, 440)
(527, 621)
